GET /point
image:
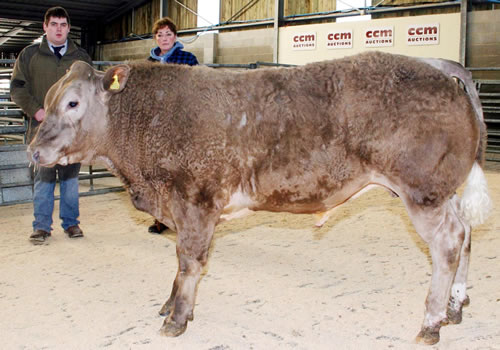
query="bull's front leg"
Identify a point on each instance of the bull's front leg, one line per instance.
(179, 307)
(168, 307)
(193, 240)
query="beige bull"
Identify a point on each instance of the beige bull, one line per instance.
(194, 145)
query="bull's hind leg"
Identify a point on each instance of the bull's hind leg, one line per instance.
(444, 232)
(459, 297)
(193, 240)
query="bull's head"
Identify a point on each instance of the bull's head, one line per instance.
(76, 109)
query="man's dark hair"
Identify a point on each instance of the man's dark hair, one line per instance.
(56, 11)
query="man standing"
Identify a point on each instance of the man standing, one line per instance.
(37, 68)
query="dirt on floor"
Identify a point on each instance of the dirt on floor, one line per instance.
(273, 281)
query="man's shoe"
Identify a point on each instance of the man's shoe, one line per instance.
(157, 227)
(74, 231)
(39, 237)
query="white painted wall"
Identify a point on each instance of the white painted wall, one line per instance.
(448, 47)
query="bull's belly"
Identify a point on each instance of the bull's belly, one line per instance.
(242, 204)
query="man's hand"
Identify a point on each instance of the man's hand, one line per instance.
(40, 115)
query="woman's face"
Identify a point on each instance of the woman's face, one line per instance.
(165, 39)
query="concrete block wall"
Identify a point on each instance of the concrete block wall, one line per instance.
(246, 46)
(129, 50)
(204, 47)
(483, 41)
(230, 47)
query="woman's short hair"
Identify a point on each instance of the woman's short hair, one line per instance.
(164, 22)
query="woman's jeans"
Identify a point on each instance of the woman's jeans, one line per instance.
(43, 196)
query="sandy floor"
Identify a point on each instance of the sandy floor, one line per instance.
(273, 281)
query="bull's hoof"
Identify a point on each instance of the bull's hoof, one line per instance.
(454, 316)
(428, 336)
(172, 329)
(454, 311)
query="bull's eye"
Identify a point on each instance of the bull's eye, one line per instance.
(73, 104)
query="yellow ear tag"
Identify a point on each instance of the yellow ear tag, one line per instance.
(115, 85)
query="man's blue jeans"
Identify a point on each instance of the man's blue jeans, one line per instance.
(43, 196)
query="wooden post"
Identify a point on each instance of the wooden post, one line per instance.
(463, 30)
(278, 18)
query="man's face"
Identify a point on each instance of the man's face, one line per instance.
(57, 30)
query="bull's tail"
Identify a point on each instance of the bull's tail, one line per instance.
(476, 203)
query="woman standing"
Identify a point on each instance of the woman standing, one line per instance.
(169, 50)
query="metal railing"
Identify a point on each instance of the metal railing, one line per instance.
(489, 93)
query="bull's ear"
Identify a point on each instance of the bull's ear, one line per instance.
(116, 78)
